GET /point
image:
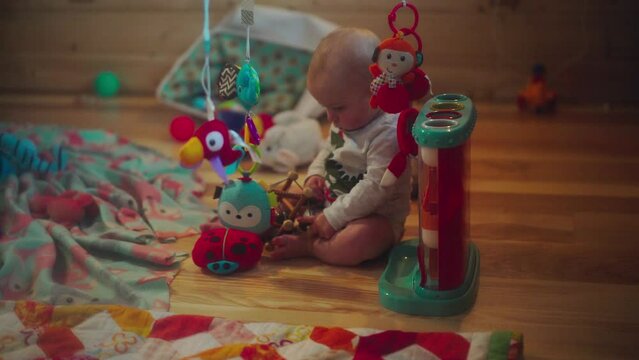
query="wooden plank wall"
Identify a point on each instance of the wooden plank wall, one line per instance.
(484, 48)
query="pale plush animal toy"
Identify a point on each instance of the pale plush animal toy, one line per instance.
(294, 140)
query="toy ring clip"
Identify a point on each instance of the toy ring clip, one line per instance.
(255, 164)
(418, 40)
(392, 16)
(418, 54)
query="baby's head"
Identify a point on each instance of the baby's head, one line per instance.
(339, 79)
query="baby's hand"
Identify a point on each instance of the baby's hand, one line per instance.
(319, 226)
(322, 227)
(317, 184)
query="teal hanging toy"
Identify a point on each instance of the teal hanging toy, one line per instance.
(248, 86)
(245, 79)
(248, 82)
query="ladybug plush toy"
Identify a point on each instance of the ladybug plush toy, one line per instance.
(245, 213)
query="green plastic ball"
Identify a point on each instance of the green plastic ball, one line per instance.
(107, 84)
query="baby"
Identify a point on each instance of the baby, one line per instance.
(361, 220)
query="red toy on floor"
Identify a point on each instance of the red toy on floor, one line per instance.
(536, 96)
(68, 208)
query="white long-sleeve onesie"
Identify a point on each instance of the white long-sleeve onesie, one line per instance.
(353, 163)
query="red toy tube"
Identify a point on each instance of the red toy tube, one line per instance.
(443, 216)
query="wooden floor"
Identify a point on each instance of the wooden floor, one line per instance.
(554, 212)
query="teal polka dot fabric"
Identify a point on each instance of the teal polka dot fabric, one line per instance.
(282, 72)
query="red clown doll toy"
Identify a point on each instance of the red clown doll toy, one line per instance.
(398, 81)
(397, 77)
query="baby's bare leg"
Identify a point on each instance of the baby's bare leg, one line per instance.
(362, 239)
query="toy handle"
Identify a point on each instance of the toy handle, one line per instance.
(392, 16)
(237, 165)
(418, 39)
(252, 130)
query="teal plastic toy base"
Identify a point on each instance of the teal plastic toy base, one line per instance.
(399, 288)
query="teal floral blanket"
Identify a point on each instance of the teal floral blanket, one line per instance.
(99, 230)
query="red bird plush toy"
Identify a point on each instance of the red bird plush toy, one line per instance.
(398, 79)
(211, 141)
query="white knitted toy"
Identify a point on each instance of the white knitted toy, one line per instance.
(294, 140)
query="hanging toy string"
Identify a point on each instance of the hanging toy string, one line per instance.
(392, 16)
(248, 20)
(206, 71)
(248, 44)
(250, 131)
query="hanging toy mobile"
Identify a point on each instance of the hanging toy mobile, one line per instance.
(243, 82)
(244, 207)
(398, 82)
(213, 141)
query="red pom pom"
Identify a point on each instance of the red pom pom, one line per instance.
(182, 128)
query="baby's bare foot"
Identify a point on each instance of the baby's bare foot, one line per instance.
(290, 246)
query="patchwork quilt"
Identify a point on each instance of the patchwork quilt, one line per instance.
(30, 330)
